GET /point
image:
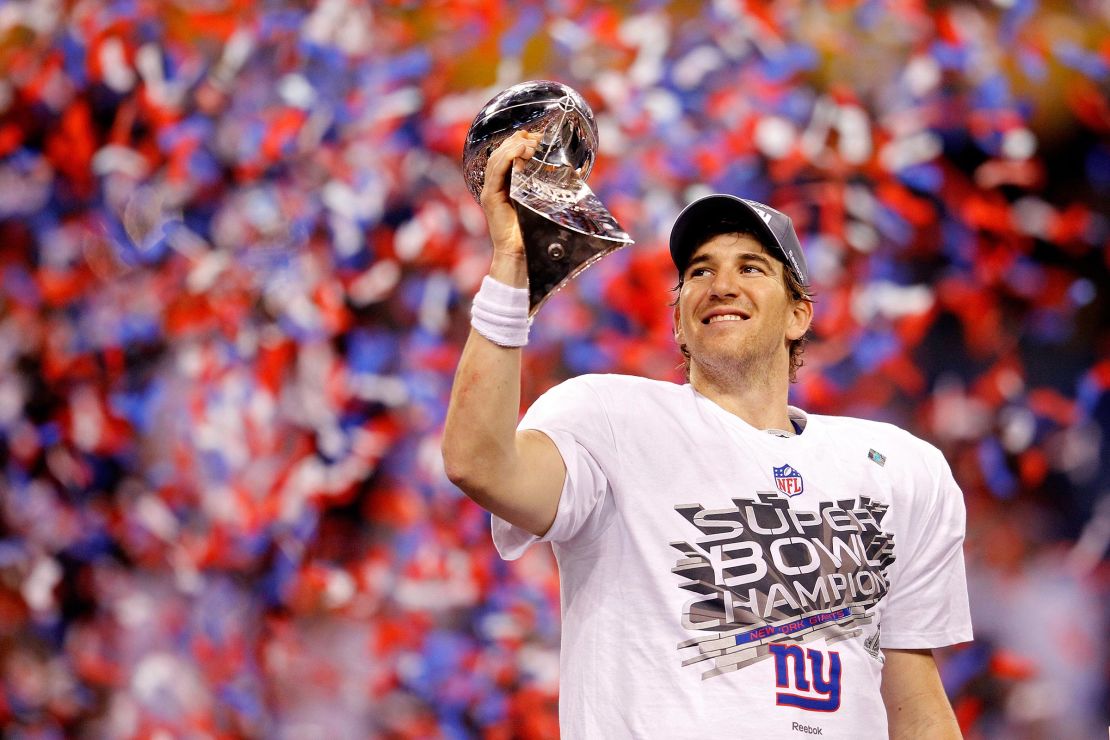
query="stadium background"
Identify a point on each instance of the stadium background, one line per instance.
(236, 258)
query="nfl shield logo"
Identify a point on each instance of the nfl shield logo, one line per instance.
(788, 480)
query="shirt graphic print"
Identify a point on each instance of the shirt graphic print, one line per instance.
(760, 572)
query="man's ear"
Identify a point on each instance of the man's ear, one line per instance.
(676, 324)
(801, 316)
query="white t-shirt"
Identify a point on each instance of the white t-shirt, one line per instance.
(720, 581)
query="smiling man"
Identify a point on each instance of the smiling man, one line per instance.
(730, 565)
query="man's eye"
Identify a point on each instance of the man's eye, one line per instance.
(699, 271)
(756, 269)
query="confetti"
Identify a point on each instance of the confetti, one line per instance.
(235, 281)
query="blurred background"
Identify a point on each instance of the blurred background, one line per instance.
(236, 262)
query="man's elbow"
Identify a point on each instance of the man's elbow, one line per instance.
(480, 488)
(454, 466)
(465, 471)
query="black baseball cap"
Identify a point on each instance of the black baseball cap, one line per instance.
(775, 228)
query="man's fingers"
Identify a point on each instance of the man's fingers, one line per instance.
(521, 145)
(501, 217)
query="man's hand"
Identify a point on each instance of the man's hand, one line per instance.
(504, 228)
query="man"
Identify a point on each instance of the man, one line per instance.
(730, 565)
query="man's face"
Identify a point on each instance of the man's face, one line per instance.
(733, 312)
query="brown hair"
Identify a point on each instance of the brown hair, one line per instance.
(794, 288)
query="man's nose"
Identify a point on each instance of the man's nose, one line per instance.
(726, 284)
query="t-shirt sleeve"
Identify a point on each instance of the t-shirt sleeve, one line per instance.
(573, 416)
(928, 604)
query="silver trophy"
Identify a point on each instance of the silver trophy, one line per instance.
(565, 227)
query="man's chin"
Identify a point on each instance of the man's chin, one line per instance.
(731, 361)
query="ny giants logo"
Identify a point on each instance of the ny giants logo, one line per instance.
(788, 480)
(762, 213)
(808, 686)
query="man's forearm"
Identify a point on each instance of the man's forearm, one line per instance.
(479, 436)
(516, 475)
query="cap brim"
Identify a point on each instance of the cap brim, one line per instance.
(711, 208)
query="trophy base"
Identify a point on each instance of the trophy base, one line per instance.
(565, 227)
(556, 254)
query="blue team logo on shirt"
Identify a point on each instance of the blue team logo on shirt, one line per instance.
(788, 480)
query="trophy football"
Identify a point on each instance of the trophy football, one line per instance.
(565, 227)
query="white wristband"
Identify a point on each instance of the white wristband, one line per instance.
(499, 313)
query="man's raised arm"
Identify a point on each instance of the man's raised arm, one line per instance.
(516, 475)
